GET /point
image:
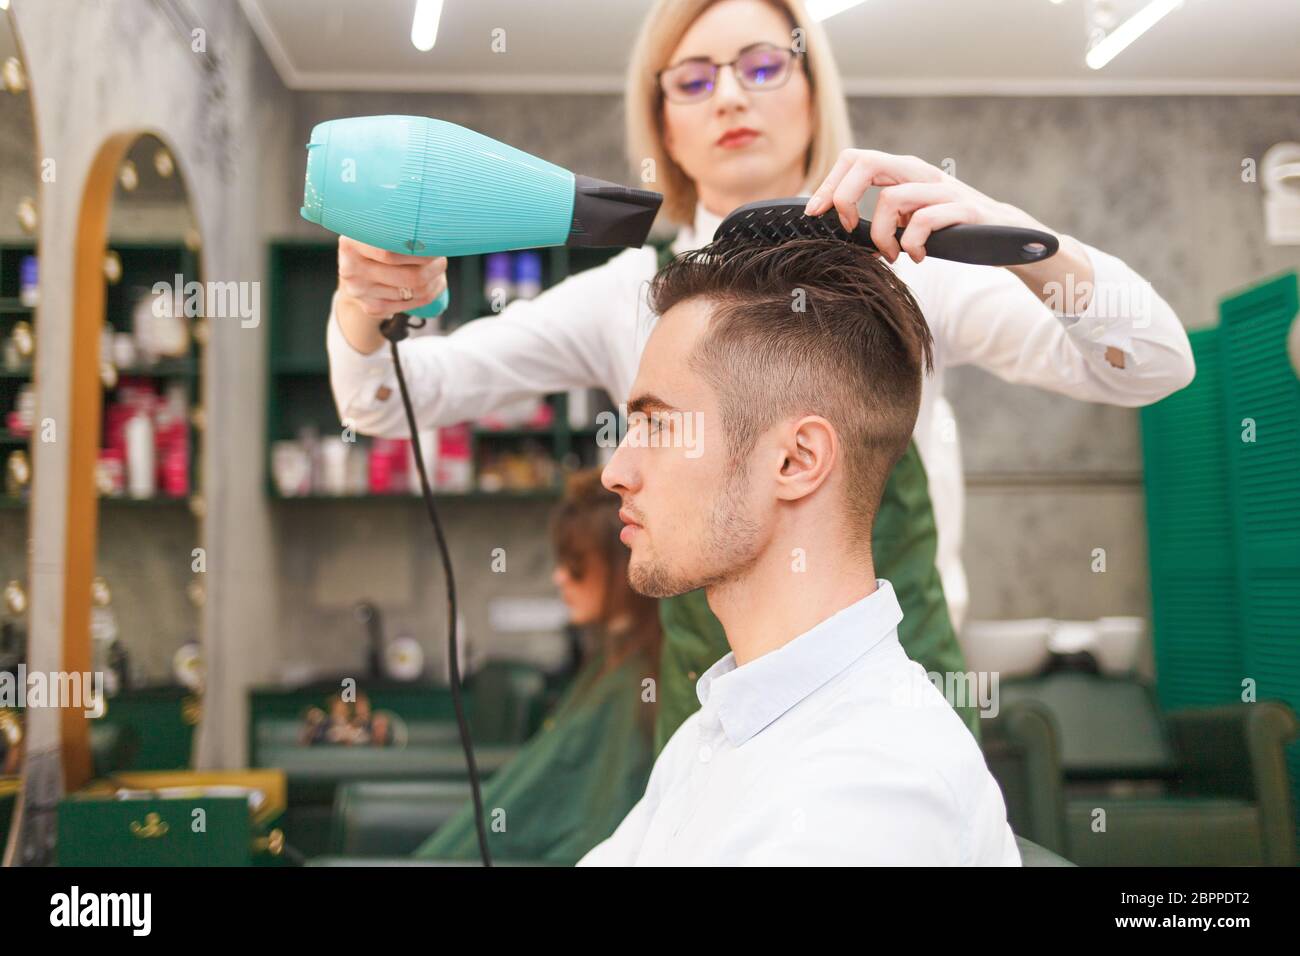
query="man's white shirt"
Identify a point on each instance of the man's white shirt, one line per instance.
(835, 749)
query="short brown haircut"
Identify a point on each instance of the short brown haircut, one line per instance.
(809, 326)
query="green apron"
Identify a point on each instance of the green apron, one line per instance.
(572, 784)
(903, 545)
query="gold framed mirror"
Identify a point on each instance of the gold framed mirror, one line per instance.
(134, 562)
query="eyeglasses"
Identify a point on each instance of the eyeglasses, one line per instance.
(761, 66)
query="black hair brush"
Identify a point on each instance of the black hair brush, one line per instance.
(777, 220)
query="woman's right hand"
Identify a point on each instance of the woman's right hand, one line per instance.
(371, 284)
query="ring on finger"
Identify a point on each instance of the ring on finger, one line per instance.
(406, 294)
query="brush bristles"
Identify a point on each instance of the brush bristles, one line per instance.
(779, 224)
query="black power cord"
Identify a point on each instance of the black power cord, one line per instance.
(395, 329)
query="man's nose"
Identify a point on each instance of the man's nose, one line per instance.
(617, 474)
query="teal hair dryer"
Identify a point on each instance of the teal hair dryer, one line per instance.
(426, 187)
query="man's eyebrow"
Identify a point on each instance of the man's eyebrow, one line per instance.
(647, 403)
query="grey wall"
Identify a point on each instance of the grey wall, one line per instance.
(1154, 180)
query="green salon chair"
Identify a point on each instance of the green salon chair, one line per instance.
(1204, 786)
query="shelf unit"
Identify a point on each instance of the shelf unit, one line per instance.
(143, 264)
(303, 274)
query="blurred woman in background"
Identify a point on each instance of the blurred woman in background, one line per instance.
(573, 783)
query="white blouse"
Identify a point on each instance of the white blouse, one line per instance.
(589, 330)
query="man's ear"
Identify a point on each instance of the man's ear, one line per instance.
(809, 451)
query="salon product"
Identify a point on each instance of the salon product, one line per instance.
(498, 287)
(528, 273)
(140, 460)
(454, 464)
(429, 446)
(29, 288)
(334, 453)
(291, 469)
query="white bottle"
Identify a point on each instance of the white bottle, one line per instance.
(580, 412)
(140, 469)
(429, 446)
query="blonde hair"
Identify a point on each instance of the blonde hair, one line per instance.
(664, 27)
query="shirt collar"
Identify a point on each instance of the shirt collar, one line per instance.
(747, 699)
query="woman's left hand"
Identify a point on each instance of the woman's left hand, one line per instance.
(923, 198)
(913, 194)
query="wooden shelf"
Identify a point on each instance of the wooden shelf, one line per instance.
(300, 366)
(166, 368)
(524, 494)
(514, 433)
(158, 501)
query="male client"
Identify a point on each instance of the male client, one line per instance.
(778, 388)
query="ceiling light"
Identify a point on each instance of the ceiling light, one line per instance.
(1118, 39)
(424, 28)
(820, 10)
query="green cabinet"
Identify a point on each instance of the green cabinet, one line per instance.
(175, 818)
(104, 831)
(158, 724)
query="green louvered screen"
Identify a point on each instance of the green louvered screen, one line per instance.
(1197, 634)
(1260, 384)
(1223, 513)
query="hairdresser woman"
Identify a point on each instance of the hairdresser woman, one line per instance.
(732, 107)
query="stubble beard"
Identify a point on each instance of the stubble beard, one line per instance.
(730, 549)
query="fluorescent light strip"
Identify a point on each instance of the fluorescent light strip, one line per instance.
(424, 27)
(820, 10)
(1118, 39)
